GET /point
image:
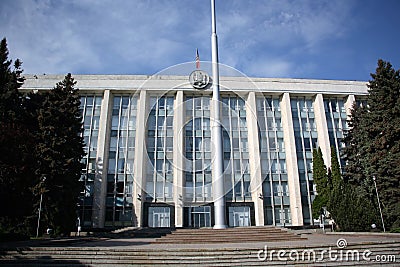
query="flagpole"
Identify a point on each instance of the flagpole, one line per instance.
(217, 167)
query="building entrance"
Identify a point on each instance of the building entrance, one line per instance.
(200, 216)
(239, 216)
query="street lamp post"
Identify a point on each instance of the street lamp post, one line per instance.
(379, 203)
(40, 209)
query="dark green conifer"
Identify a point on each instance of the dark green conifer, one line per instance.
(59, 151)
(373, 143)
(320, 178)
(336, 176)
(16, 143)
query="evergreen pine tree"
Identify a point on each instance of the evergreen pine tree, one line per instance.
(354, 152)
(16, 143)
(40, 136)
(373, 142)
(320, 178)
(10, 82)
(351, 209)
(336, 176)
(59, 151)
(384, 131)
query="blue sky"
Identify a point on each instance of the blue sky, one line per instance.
(316, 39)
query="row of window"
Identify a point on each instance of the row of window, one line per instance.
(159, 144)
(273, 161)
(336, 119)
(121, 156)
(90, 108)
(197, 149)
(306, 139)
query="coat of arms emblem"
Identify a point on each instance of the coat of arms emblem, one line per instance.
(199, 79)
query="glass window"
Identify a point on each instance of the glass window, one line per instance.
(170, 103)
(197, 124)
(162, 139)
(90, 108)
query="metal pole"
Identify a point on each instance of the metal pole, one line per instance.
(379, 204)
(218, 183)
(38, 220)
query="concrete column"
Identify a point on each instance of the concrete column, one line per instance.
(349, 105)
(291, 162)
(322, 129)
(100, 183)
(141, 159)
(254, 158)
(179, 155)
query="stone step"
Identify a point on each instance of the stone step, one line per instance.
(231, 235)
(103, 256)
(204, 235)
(173, 258)
(160, 232)
(233, 229)
(166, 257)
(101, 250)
(156, 251)
(183, 251)
(227, 240)
(208, 240)
(186, 262)
(223, 232)
(333, 264)
(140, 232)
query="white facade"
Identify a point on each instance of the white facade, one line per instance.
(149, 146)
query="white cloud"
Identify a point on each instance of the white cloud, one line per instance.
(144, 36)
(282, 22)
(46, 39)
(257, 31)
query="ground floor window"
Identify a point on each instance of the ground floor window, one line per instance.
(159, 216)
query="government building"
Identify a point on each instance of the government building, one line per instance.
(149, 145)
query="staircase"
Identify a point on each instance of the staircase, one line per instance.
(134, 232)
(180, 256)
(229, 235)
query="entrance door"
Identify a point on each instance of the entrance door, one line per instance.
(239, 216)
(159, 217)
(200, 216)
